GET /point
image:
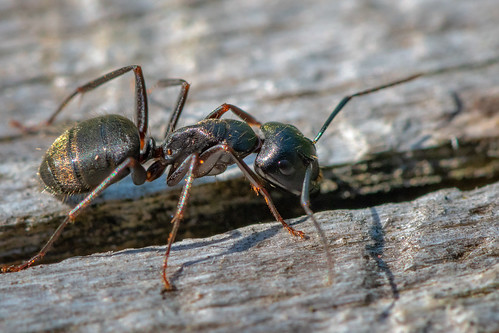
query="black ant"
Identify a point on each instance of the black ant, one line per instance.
(95, 153)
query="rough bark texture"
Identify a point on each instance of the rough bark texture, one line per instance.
(427, 264)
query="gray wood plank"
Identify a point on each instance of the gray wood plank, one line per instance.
(429, 264)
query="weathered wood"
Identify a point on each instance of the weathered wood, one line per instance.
(430, 264)
(434, 267)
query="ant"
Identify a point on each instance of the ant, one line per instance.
(98, 152)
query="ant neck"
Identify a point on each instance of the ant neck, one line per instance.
(150, 150)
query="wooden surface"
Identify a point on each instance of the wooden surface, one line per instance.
(429, 264)
(426, 265)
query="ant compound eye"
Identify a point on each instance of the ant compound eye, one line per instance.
(286, 167)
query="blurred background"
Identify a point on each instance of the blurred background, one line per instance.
(289, 61)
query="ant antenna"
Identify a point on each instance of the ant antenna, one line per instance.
(346, 99)
(305, 203)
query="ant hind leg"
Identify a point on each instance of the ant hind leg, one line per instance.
(140, 99)
(138, 175)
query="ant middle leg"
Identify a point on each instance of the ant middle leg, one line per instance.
(193, 162)
(179, 105)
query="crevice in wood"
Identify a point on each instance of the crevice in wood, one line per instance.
(217, 207)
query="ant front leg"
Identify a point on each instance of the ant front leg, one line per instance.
(209, 157)
(219, 112)
(305, 203)
(138, 175)
(214, 153)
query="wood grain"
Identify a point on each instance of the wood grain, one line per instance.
(423, 264)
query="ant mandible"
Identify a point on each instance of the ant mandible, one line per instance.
(95, 153)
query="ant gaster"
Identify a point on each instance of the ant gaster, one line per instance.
(95, 153)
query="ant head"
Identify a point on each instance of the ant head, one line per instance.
(284, 157)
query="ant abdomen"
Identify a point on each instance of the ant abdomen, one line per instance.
(84, 155)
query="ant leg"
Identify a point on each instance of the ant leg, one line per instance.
(305, 203)
(179, 105)
(140, 99)
(218, 113)
(138, 177)
(212, 154)
(178, 216)
(345, 100)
